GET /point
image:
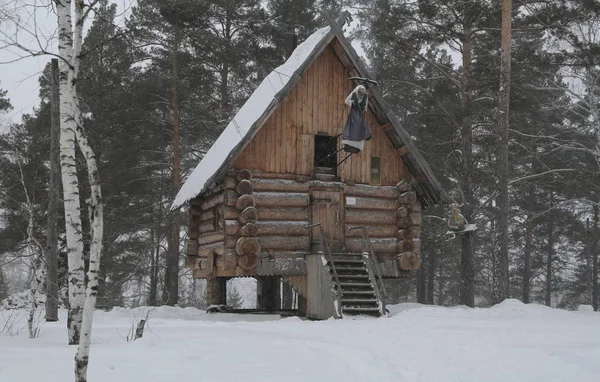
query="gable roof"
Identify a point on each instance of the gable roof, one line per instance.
(265, 99)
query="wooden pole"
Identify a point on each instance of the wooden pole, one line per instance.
(54, 188)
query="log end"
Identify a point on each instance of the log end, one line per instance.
(409, 261)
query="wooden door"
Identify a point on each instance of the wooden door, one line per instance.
(327, 209)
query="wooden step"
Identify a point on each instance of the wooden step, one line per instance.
(351, 301)
(357, 310)
(358, 292)
(355, 277)
(356, 285)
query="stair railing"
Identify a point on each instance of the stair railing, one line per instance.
(327, 253)
(366, 242)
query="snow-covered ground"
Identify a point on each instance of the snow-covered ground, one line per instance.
(509, 342)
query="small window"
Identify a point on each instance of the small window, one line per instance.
(325, 151)
(375, 170)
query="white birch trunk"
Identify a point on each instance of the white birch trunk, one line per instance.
(70, 42)
(73, 228)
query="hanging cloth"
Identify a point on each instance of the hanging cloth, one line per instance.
(356, 131)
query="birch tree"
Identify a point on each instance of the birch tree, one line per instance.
(71, 18)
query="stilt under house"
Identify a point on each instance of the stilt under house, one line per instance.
(295, 190)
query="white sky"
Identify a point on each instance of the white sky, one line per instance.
(20, 78)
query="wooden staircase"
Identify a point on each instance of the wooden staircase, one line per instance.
(359, 294)
(355, 278)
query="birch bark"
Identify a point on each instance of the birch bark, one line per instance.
(76, 271)
(72, 131)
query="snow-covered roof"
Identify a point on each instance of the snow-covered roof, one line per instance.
(256, 108)
(273, 90)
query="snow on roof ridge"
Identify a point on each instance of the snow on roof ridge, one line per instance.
(248, 114)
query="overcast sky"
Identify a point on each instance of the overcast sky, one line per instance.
(20, 78)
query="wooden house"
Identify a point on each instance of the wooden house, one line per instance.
(270, 201)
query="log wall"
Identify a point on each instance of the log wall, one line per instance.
(267, 235)
(285, 143)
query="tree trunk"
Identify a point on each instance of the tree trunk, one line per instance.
(595, 249)
(422, 281)
(467, 263)
(501, 287)
(431, 263)
(70, 182)
(549, 260)
(527, 260)
(171, 287)
(95, 206)
(53, 190)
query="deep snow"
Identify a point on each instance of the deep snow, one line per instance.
(509, 342)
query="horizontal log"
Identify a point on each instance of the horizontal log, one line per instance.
(409, 233)
(247, 245)
(210, 238)
(407, 198)
(280, 199)
(191, 261)
(215, 248)
(372, 230)
(206, 226)
(285, 214)
(244, 202)
(404, 222)
(360, 217)
(248, 261)
(403, 186)
(243, 174)
(233, 227)
(292, 243)
(244, 187)
(279, 185)
(249, 214)
(229, 198)
(406, 246)
(402, 212)
(213, 201)
(379, 245)
(228, 261)
(273, 255)
(191, 247)
(409, 261)
(207, 215)
(372, 191)
(371, 203)
(230, 212)
(283, 228)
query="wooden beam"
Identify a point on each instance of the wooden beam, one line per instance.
(402, 150)
(387, 127)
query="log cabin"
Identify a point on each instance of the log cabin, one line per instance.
(273, 198)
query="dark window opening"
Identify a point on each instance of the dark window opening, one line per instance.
(325, 151)
(375, 170)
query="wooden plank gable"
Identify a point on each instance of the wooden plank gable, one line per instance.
(285, 142)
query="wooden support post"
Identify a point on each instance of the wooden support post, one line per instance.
(267, 289)
(216, 291)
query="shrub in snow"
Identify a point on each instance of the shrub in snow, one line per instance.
(22, 300)
(585, 308)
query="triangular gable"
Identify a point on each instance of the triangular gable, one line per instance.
(266, 98)
(256, 110)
